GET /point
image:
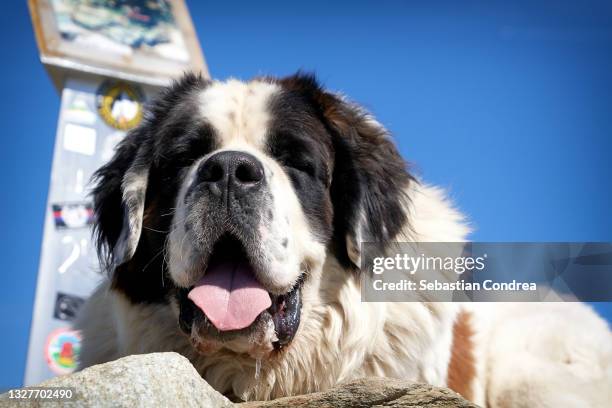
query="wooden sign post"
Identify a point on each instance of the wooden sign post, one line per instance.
(106, 58)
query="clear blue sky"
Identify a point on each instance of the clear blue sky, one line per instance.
(509, 106)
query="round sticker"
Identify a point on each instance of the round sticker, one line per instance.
(75, 215)
(62, 350)
(108, 148)
(120, 104)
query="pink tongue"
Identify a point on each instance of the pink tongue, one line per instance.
(230, 296)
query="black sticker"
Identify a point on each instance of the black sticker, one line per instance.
(67, 306)
(72, 215)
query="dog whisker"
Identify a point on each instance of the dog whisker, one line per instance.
(152, 259)
(154, 230)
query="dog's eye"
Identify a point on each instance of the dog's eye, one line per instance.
(294, 154)
(303, 166)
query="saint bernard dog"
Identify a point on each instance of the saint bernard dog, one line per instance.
(230, 224)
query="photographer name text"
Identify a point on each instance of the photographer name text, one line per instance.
(460, 285)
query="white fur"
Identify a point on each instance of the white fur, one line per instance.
(340, 337)
(239, 114)
(238, 111)
(134, 188)
(180, 253)
(542, 354)
(528, 355)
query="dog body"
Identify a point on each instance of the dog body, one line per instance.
(230, 224)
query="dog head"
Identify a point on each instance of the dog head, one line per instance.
(226, 201)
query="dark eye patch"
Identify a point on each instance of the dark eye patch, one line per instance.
(301, 163)
(298, 154)
(178, 144)
(302, 145)
(183, 144)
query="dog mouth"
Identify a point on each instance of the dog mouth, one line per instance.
(229, 302)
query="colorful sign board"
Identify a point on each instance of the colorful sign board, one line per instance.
(69, 269)
(146, 41)
(107, 58)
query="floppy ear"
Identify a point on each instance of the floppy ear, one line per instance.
(121, 185)
(119, 199)
(370, 178)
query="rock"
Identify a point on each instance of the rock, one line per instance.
(147, 380)
(371, 392)
(169, 380)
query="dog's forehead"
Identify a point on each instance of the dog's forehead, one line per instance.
(239, 111)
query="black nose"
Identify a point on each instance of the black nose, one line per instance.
(232, 170)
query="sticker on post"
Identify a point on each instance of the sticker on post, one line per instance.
(120, 104)
(109, 145)
(79, 139)
(67, 306)
(72, 215)
(62, 350)
(78, 111)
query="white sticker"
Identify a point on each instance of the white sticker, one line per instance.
(108, 149)
(78, 111)
(79, 139)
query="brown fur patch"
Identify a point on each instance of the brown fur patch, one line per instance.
(462, 365)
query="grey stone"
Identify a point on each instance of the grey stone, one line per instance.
(371, 392)
(148, 380)
(169, 380)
